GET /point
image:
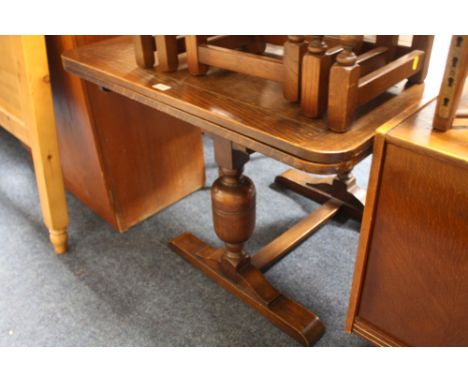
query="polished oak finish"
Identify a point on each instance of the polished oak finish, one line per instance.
(244, 114)
(122, 159)
(308, 78)
(250, 110)
(410, 282)
(233, 206)
(350, 87)
(145, 47)
(253, 288)
(316, 66)
(168, 59)
(294, 50)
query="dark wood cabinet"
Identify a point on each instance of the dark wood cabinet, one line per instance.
(123, 159)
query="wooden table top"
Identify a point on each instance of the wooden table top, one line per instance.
(249, 111)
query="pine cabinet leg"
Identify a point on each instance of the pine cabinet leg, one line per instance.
(59, 240)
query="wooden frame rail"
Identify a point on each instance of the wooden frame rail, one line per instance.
(352, 84)
(168, 47)
(202, 53)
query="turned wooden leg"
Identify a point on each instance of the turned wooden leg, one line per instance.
(59, 240)
(343, 91)
(233, 208)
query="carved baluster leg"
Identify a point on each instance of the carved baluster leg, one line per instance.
(144, 50)
(315, 75)
(192, 42)
(343, 91)
(423, 43)
(233, 205)
(233, 208)
(168, 56)
(294, 50)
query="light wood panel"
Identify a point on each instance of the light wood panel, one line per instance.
(27, 112)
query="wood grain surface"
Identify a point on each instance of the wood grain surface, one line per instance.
(250, 107)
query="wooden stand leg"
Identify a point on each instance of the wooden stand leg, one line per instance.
(343, 91)
(195, 67)
(423, 43)
(233, 201)
(168, 56)
(390, 42)
(144, 50)
(294, 50)
(315, 75)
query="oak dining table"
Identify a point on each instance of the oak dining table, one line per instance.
(242, 115)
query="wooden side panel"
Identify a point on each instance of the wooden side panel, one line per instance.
(151, 159)
(416, 284)
(124, 160)
(81, 163)
(10, 96)
(11, 115)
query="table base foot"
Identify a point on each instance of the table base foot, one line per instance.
(250, 285)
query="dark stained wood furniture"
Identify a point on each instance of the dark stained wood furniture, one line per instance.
(410, 282)
(124, 160)
(245, 114)
(352, 84)
(321, 72)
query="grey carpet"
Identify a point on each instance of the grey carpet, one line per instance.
(131, 290)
